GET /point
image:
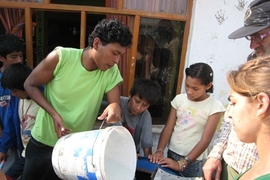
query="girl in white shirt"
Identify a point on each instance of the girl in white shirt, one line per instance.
(191, 124)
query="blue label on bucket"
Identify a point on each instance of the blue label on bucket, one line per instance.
(77, 151)
(91, 176)
(88, 153)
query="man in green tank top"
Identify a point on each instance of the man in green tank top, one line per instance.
(75, 83)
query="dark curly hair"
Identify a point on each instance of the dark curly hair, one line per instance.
(111, 31)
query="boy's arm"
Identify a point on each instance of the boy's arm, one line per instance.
(147, 151)
(146, 133)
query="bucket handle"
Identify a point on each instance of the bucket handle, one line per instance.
(93, 165)
(104, 120)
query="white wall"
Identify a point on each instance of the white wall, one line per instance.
(209, 43)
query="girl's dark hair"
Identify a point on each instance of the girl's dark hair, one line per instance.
(111, 31)
(203, 72)
(147, 90)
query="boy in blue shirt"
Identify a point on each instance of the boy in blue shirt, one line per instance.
(11, 51)
(13, 78)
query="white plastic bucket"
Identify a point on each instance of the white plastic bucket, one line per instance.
(105, 154)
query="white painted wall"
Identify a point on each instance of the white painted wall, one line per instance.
(209, 43)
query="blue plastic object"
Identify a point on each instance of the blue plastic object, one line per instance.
(144, 165)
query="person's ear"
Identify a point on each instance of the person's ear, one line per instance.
(209, 86)
(96, 43)
(2, 58)
(262, 104)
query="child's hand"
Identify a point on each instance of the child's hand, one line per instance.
(169, 163)
(154, 158)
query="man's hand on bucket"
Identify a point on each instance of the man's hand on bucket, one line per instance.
(112, 113)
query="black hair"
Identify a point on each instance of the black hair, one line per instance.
(161, 57)
(147, 90)
(145, 42)
(10, 43)
(165, 29)
(140, 49)
(14, 76)
(111, 31)
(203, 72)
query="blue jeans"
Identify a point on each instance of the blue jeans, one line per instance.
(192, 170)
(38, 163)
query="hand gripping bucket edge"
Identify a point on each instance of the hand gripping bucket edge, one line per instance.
(105, 154)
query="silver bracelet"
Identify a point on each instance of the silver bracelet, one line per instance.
(188, 160)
